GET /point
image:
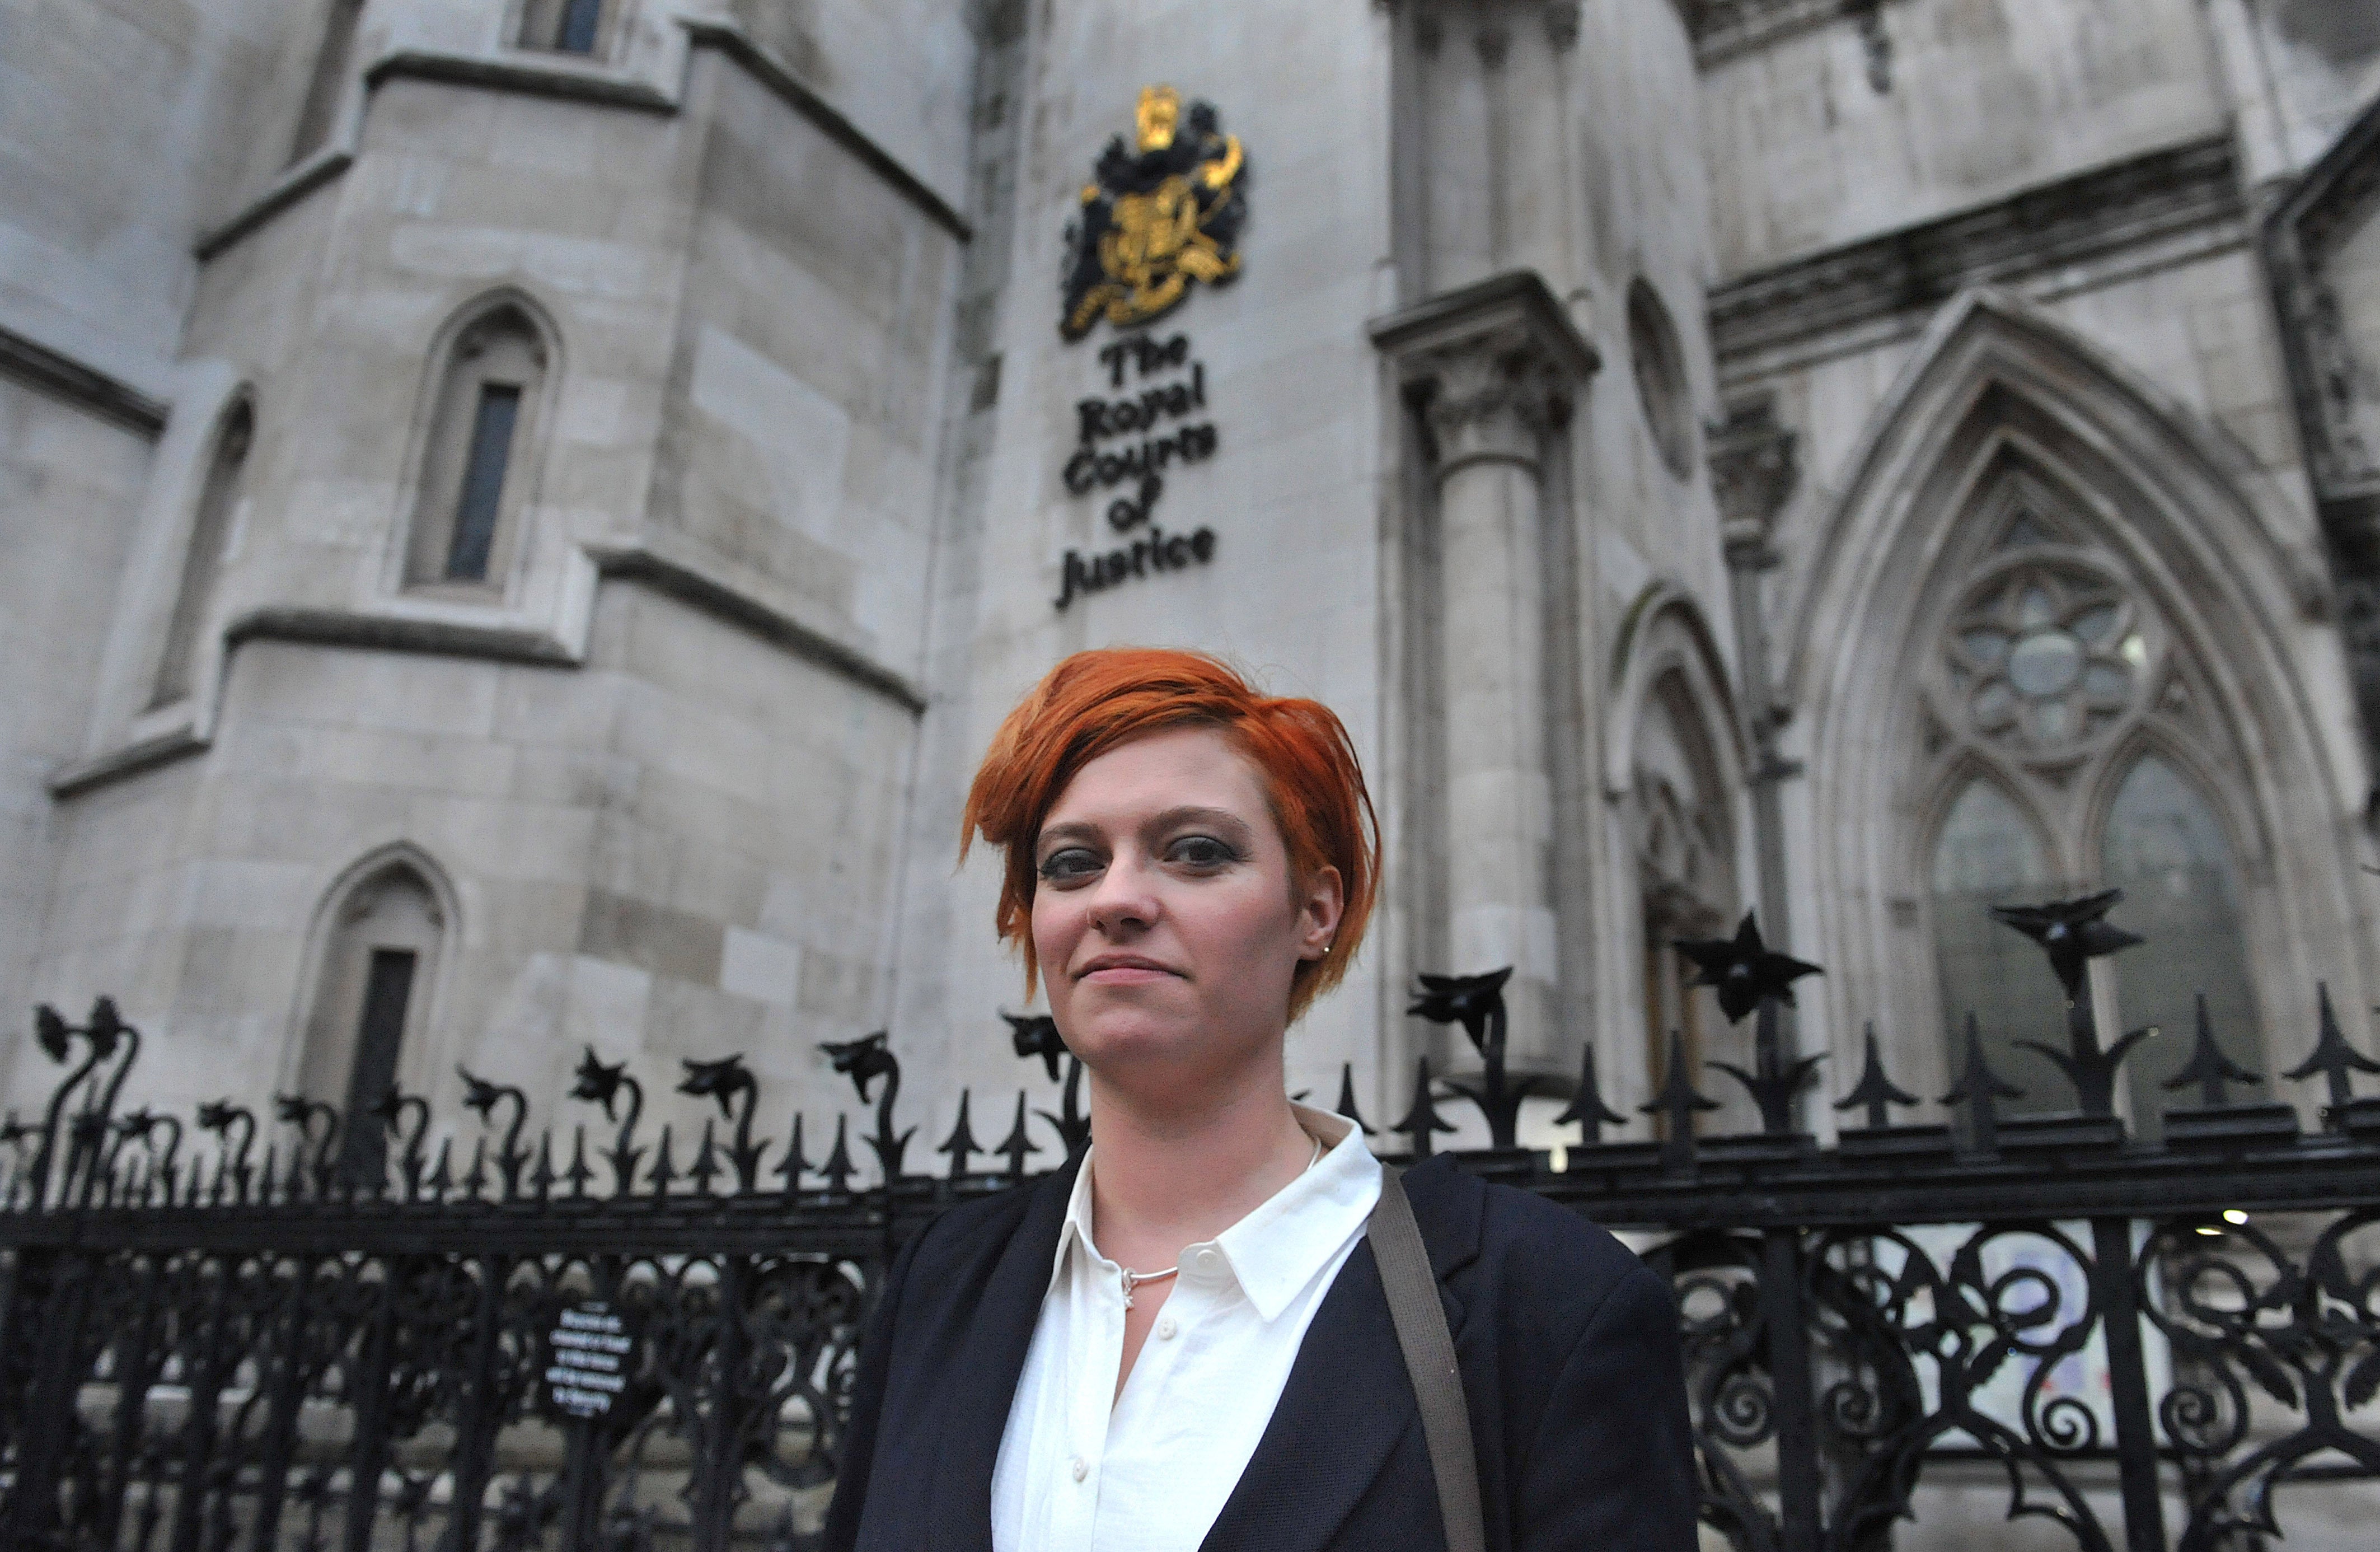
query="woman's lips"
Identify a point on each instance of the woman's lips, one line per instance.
(1124, 974)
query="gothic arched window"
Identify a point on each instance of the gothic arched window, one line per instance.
(2053, 704)
(479, 453)
(377, 953)
(1678, 814)
(202, 555)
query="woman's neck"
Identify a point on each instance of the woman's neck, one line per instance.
(1163, 1179)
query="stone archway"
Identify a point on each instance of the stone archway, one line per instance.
(1998, 391)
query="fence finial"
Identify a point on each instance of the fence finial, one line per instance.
(1423, 1118)
(2334, 1060)
(1476, 1002)
(961, 1145)
(1677, 1103)
(2073, 932)
(1587, 1108)
(1874, 1090)
(2208, 1067)
(1978, 1087)
(1346, 1105)
(1019, 1143)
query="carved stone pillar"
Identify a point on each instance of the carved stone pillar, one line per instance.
(1493, 368)
(1754, 469)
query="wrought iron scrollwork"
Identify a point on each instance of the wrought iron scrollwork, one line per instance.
(235, 1330)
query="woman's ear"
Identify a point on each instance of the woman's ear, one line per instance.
(1325, 901)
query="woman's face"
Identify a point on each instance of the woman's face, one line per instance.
(1165, 918)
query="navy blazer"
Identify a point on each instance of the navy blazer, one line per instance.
(1567, 1345)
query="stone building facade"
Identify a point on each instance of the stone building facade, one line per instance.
(524, 512)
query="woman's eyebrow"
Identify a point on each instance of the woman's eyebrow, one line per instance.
(1076, 830)
(1193, 814)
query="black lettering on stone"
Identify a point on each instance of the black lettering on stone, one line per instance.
(1097, 462)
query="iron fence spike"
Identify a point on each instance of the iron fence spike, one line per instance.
(1979, 1089)
(1346, 1102)
(542, 1178)
(1422, 1119)
(961, 1145)
(578, 1174)
(1586, 1109)
(795, 1163)
(1875, 1092)
(2332, 1060)
(664, 1168)
(838, 1169)
(1019, 1143)
(1676, 1104)
(2208, 1067)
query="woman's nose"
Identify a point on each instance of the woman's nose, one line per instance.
(1123, 900)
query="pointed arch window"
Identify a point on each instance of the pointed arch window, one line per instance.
(202, 557)
(2053, 704)
(479, 454)
(370, 999)
(1686, 866)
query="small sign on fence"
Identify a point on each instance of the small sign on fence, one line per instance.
(590, 1362)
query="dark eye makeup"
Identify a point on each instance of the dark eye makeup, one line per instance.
(1068, 865)
(1201, 851)
(1196, 853)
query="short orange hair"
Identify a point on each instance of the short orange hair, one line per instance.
(1093, 702)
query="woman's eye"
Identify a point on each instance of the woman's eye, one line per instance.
(1201, 851)
(1073, 863)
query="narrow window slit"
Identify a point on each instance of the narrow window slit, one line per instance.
(483, 483)
(379, 1032)
(578, 26)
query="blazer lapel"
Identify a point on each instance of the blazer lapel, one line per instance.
(1348, 1400)
(1346, 1405)
(983, 1381)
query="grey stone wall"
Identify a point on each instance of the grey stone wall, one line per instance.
(659, 767)
(689, 772)
(1872, 173)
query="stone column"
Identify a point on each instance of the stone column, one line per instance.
(1754, 469)
(1495, 367)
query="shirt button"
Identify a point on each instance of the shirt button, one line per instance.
(1165, 1329)
(1209, 1261)
(1081, 1468)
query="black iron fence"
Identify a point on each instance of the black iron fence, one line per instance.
(249, 1332)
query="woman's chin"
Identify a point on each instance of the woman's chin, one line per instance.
(1117, 1035)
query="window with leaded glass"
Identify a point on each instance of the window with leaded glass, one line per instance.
(2061, 742)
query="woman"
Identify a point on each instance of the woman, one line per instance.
(1188, 1340)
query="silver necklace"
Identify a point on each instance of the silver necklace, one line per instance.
(1133, 1279)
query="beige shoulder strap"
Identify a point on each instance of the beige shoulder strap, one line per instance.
(1429, 1347)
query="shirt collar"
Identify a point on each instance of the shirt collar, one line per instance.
(1279, 1247)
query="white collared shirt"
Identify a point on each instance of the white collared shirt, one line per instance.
(1151, 1474)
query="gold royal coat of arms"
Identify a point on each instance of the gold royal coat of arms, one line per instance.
(1155, 218)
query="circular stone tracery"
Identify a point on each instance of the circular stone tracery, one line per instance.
(2045, 658)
